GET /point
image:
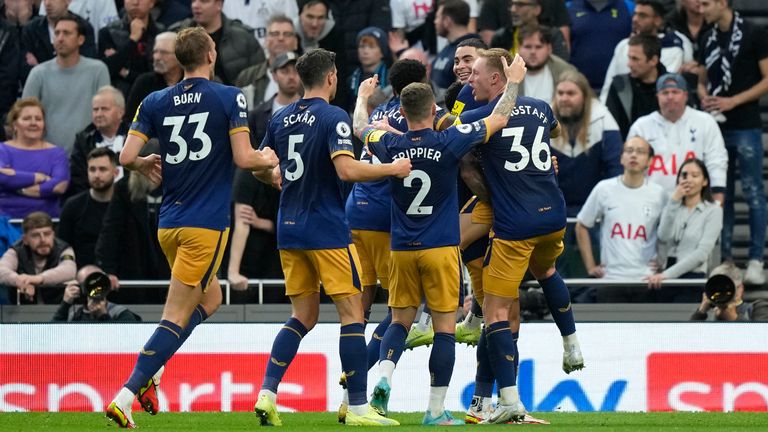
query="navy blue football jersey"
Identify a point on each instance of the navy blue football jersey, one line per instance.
(527, 201)
(307, 135)
(193, 121)
(465, 101)
(425, 210)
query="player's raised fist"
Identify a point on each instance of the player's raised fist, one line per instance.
(368, 86)
(401, 167)
(514, 72)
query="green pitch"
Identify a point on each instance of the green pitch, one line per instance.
(214, 422)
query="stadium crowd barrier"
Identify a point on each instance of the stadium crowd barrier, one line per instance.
(629, 367)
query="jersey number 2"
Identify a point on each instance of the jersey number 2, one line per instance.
(176, 122)
(416, 208)
(525, 156)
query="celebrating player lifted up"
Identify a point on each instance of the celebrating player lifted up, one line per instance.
(425, 226)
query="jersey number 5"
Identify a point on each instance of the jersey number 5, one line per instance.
(176, 122)
(293, 155)
(525, 156)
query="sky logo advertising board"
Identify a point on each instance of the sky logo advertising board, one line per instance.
(708, 381)
(193, 382)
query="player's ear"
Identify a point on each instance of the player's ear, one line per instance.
(434, 110)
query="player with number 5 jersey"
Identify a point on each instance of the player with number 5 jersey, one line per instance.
(202, 129)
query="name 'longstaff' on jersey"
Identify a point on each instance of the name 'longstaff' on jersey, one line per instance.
(529, 110)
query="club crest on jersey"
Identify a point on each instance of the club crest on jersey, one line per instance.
(241, 101)
(342, 128)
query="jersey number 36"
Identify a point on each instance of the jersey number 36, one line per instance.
(537, 149)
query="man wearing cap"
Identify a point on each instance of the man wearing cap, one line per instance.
(95, 285)
(678, 132)
(372, 53)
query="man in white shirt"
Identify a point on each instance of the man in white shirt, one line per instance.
(678, 132)
(648, 18)
(630, 207)
(544, 68)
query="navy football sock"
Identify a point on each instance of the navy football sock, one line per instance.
(159, 348)
(484, 375)
(559, 303)
(283, 351)
(374, 345)
(353, 361)
(503, 352)
(393, 343)
(198, 315)
(442, 359)
(515, 337)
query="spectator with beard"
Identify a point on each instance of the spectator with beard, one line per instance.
(82, 215)
(38, 260)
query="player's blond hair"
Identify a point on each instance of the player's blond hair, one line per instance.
(493, 57)
(417, 101)
(192, 47)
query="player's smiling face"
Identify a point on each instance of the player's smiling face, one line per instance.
(480, 80)
(462, 62)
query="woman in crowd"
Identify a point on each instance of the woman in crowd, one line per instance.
(33, 172)
(689, 228)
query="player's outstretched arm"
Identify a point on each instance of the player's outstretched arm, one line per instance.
(150, 166)
(351, 170)
(360, 117)
(249, 159)
(515, 73)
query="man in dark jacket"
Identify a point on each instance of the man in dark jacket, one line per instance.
(10, 61)
(125, 46)
(166, 72)
(236, 46)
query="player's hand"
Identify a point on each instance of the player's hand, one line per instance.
(368, 86)
(151, 167)
(268, 158)
(277, 178)
(384, 125)
(401, 168)
(71, 293)
(555, 165)
(654, 280)
(514, 72)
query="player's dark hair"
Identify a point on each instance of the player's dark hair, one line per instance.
(404, 72)
(656, 5)
(79, 24)
(456, 10)
(101, 152)
(192, 46)
(451, 93)
(313, 67)
(650, 43)
(528, 30)
(473, 42)
(706, 191)
(35, 220)
(493, 59)
(417, 101)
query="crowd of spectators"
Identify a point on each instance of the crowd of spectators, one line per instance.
(658, 101)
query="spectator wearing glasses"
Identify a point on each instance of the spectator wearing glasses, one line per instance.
(630, 207)
(259, 15)
(281, 38)
(165, 72)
